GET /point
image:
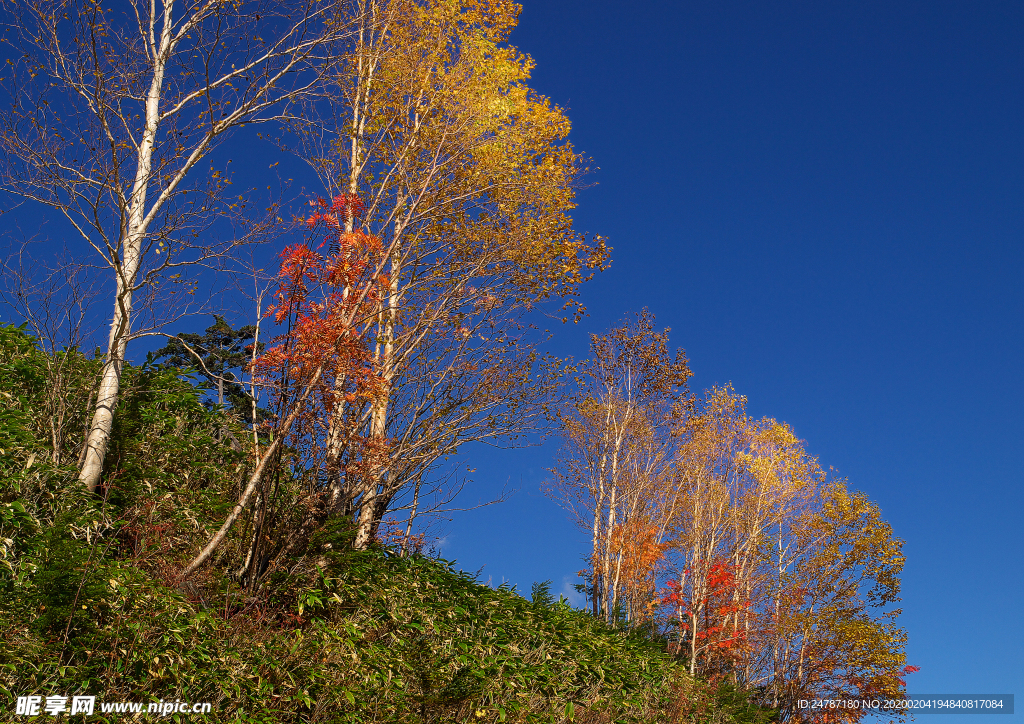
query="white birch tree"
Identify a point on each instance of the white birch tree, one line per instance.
(620, 431)
(467, 178)
(112, 109)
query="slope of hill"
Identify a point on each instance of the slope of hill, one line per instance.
(92, 602)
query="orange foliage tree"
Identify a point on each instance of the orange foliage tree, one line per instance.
(638, 556)
(614, 474)
(758, 566)
(326, 302)
(707, 624)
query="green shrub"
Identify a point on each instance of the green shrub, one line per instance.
(91, 601)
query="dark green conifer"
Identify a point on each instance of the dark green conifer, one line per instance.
(220, 350)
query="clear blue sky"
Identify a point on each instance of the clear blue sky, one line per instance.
(825, 202)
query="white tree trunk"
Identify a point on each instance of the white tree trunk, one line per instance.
(368, 512)
(120, 328)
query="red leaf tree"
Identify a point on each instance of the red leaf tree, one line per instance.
(327, 296)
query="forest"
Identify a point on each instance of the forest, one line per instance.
(241, 516)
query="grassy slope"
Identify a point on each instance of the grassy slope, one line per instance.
(89, 601)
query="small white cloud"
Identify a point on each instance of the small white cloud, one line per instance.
(575, 597)
(440, 543)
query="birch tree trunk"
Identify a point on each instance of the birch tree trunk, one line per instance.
(370, 32)
(110, 383)
(109, 115)
(370, 513)
(597, 587)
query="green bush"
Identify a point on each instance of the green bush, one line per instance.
(91, 599)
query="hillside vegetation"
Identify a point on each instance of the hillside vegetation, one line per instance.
(92, 599)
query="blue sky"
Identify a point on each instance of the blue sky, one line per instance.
(825, 202)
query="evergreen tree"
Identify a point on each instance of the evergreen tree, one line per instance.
(214, 355)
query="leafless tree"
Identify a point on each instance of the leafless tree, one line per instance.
(54, 297)
(109, 113)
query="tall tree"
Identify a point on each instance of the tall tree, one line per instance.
(782, 579)
(459, 179)
(619, 432)
(467, 178)
(835, 634)
(737, 478)
(109, 112)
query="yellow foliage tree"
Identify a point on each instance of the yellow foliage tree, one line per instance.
(812, 568)
(775, 576)
(466, 176)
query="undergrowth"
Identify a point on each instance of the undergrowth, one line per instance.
(91, 600)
